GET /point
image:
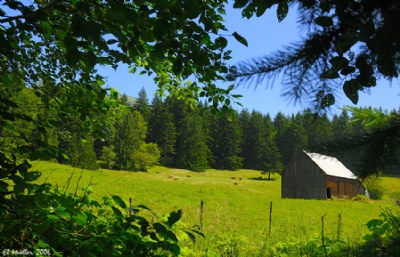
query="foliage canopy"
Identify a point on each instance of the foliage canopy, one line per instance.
(348, 45)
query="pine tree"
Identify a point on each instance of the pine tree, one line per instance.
(341, 125)
(142, 104)
(272, 157)
(131, 133)
(317, 127)
(254, 147)
(192, 150)
(246, 144)
(81, 152)
(291, 136)
(162, 131)
(225, 141)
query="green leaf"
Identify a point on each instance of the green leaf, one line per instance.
(32, 176)
(174, 217)
(324, 21)
(221, 42)
(330, 74)
(72, 56)
(164, 232)
(327, 100)
(374, 223)
(192, 8)
(116, 211)
(347, 70)
(52, 217)
(346, 41)
(80, 218)
(262, 7)
(177, 66)
(199, 57)
(161, 29)
(111, 41)
(3, 187)
(191, 236)
(350, 88)
(282, 11)
(63, 214)
(119, 201)
(141, 206)
(339, 62)
(240, 3)
(240, 39)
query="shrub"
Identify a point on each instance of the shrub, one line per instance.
(312, 247)
(44, 218)
(41, 220)
(360, 198)
(107, 157)
(147, 156)
(384, 237)
(374, 187)
(81, 153)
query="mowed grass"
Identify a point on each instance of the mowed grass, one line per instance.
(236, 204)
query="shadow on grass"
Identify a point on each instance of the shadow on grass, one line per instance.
(263, 179)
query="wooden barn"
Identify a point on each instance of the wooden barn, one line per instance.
(316, 176)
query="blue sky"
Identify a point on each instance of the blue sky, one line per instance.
(264, 35)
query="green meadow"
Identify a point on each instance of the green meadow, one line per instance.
(236, 205)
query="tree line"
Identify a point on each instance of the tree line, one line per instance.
(134, 134)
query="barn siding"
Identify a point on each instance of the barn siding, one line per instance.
(344, 188)
(304, 179)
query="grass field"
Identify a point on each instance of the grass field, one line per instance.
(236, 204)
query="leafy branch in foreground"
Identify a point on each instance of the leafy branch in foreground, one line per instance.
(377, 146)
(70, 225)
(61, 43)
(348, 45)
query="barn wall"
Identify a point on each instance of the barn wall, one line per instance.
(303, 179)
(344, 188)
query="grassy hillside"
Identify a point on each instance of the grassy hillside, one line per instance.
(236, 204)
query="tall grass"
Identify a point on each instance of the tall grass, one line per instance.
(236, 205)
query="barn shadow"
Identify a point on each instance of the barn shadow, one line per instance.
(263, 179)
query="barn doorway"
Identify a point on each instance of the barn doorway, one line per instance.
(328, 193)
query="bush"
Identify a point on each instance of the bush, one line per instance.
(312, 247)
(360, 198)
(147, 156)
(384, 237)
(374, 187)
(43, 218)
(107, 157)
(81, 153)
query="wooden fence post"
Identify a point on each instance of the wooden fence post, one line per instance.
(323, 235)
(201, 213)
(270, 219)
(339, 226)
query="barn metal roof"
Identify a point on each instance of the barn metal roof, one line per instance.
(331, 166)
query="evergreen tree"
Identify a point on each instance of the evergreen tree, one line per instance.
(246, 144)
(281, 125)
(318, 128)
(131, 133)
(291, 136)
(225, 141)
(81, 152)
(141, 104)
(341, 125)
(254, 141)
(272, 157)
(192, 150)
(162, 131)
